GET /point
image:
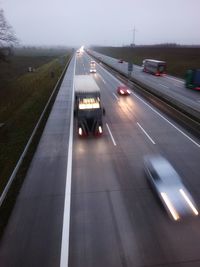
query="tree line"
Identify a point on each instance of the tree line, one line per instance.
(7, 37)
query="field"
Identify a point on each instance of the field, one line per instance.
(23, 96)
(178, 58)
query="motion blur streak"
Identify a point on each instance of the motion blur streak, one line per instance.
(170, 207)
(189, 202)
(80, 132)
(100, 129)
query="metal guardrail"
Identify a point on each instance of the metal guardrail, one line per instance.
(14, 173)
(190, 114)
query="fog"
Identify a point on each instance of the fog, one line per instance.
(103, 22)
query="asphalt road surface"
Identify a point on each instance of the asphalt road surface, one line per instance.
(115, 218)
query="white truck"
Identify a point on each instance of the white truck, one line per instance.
(87, 107)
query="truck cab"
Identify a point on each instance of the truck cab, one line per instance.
(88, 107)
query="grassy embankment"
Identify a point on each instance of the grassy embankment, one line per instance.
(23, 96)
(178, 59)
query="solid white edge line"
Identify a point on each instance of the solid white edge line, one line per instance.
(194, 142)
(64, 256)
(113, 140)
(116, 96)
(146, 133)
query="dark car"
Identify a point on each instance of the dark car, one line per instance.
(123, 90)
(168, 186)
(120, 61)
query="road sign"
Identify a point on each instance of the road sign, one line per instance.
(130, 66)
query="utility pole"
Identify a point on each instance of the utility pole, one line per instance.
(134, 30)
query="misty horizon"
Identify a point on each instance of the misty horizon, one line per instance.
(103, 23)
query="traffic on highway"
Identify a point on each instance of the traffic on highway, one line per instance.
(123, 211)
(114, 180)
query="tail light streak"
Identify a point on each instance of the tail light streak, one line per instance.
(189, 202)
(170, 206)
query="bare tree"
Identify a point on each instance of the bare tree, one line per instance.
(7, 37)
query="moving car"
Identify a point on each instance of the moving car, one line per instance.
(93, 66)
(93, 70)
(92, 63)
(168, 186)
(123, 90)
(120, 61)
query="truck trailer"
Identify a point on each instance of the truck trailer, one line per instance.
(192, 79)
(87, 106)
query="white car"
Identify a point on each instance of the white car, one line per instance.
(93, 70)
(168, 186)
(92, 63)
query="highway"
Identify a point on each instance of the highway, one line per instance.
(115, 218)
(169, 85)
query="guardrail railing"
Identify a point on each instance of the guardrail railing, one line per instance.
(14, 173)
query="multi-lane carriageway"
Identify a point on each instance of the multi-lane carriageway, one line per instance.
(86, 202)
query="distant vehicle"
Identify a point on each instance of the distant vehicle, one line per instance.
(92, 66)
(93, 69)
(123, 90)
(120, 61)
(168, 186)
(155, 67)
(88, 107)
(92, 63)
(78, 52)
(192, 79)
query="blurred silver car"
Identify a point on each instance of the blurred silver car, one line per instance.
(168, 185)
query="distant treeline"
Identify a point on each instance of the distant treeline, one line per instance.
(41, 51)
(6, 53)
(165, 45)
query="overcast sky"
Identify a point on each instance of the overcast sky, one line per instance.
(103, 22)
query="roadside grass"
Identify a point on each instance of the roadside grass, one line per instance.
(18, 65)
(22, 103)
(24, 57)
(179, 59)
(9, 202)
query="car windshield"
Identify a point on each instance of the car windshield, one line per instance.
(155, 175)
(167, 173)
